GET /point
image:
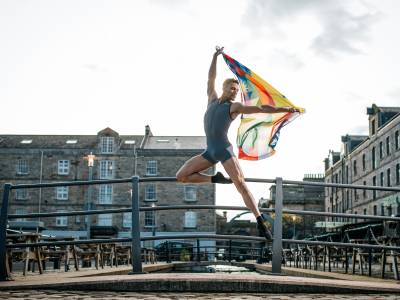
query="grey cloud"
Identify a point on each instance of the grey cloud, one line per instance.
(341, 30)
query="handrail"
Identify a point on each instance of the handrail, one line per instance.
(135, 239)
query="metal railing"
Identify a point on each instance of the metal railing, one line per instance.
(135, 238)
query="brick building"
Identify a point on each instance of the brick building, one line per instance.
(373, 159)
(54, 158)
(310, 198)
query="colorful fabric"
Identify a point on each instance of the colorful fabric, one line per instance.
(258, 133)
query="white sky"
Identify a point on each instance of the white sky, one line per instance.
(76, 67)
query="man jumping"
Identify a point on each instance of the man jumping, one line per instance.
(218, 117)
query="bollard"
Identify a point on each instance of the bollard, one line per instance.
(277, 234)
(136, 248)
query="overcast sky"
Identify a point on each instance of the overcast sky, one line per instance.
(76, 67)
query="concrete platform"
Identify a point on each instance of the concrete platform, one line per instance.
(110, 280)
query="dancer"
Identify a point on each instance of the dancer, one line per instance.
(220, 113)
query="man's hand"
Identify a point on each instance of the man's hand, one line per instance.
(293, 109)
(218, 50)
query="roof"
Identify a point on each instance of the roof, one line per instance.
(175, 142)
(62, 141)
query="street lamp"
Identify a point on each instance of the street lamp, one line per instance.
(90, 158)
(294, 226)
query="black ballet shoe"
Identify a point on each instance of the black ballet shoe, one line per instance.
(220, 178)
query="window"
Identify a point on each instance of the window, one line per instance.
(355, 168)
(63, 167)
(374, 184)
(21, 194)
(396, 139)
(375, 210)
(190, 193)
(127, 220)
(107, 144)
(388, 145)
(388, 183)
(373, 127)
(105, 194)
(397, 174)
(106, 169)
(373, 158)
(382, 210)
(363, 162)
(62, 193)
(380, 150)
(382, 178)
(150, 193)
(365, 211)
(149, 219)
(190, 219)
(364, 191)
(105, 220)
(62, 221)
(389, 210)
(20, 211)
(22, 167)
(151, 167)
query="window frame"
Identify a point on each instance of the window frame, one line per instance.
(22, 167)
(151, 165)
(190, 222)
(106, 169)
(147, 192)
(106, 194)
(186, 193)
(62, 169)
(62, 193)
(107, 144)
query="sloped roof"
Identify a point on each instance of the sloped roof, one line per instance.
(175, 142)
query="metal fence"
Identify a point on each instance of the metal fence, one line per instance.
(135, 238)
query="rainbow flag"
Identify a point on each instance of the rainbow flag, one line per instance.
(258, 133)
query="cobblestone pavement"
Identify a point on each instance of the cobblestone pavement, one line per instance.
(81, 295)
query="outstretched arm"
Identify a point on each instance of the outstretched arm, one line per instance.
(212, 74)
(239, 108)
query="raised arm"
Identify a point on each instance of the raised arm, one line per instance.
(212, 75)
(239, 108)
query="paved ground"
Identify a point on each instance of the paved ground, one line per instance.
(81, 295)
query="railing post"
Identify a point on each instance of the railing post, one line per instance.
(136, 248)
(277, 234)
(3, 232)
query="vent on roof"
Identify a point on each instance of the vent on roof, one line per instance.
(71, 141)
(130, 142)
(162, 141)
(26, 141)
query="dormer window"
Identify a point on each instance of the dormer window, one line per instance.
(107, 144)
(373, 127)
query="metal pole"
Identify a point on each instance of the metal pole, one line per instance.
(3, 232)
(89, 203)
(136, 248)
(277, 234)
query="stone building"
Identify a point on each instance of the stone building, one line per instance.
(296, 197)
(373, 159)
(55, 158)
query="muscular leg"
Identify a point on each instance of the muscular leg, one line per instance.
(189, 172)
(234, 171)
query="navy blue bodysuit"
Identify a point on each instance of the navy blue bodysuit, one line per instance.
(217, 120)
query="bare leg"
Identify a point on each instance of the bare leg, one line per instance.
(189, 172)
(234, 171)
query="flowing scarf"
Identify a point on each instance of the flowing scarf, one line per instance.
(258, 133)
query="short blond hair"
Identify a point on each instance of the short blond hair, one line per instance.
(229, 81)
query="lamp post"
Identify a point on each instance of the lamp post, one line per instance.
(90, 159)
(294, 226)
